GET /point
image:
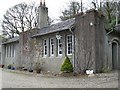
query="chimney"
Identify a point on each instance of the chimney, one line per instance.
(44, 3)
(42, 15)
(41, 3)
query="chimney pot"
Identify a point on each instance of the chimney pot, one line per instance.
(41, 3)
(44, 3)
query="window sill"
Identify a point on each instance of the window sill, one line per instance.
(69, 54)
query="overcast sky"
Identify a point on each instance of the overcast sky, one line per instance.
(54, 6)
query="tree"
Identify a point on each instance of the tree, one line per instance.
(67, 66)
(72, 9)
(108, 8)
(18, 19)
(31, 16)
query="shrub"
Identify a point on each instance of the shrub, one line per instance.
(9, 66)
(67, 66)
(38, 68)
(2, 66)
(30, 70)
(12, 68)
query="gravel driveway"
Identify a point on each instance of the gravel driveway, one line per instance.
(31, 80)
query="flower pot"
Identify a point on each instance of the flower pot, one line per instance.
(38, 70)
(30, 70)
(12, 68)
(2, 66)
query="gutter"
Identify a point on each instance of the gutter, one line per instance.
(73, 47)
(110, 32)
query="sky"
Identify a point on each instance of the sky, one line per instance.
(54, 6)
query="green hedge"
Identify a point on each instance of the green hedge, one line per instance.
(67, 66)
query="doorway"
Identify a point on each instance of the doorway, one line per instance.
(114, 56)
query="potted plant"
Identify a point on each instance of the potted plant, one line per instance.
(9, 66)
(30, 69)
(12, 68)
(38, 68)
(2, 66)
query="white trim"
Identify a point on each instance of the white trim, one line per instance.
(69, 43)
(51, 47)
(6, 51)
(59, 46)
(45, 46)
(13, 50)
(10, 50)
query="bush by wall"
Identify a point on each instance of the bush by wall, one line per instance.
(67, 66)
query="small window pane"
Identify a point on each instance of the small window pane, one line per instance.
(69, 44)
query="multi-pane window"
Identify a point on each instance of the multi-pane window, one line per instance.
(10, 50)
(69, 44)
(52, 47)
(45, 47)
(13, 50)
(60, 46)
(6, 51)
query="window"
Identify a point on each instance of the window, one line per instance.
(45, 47)
(6, 51)
(10, 54)
(52, 47)
(10, 50)
(69, 44)
(13, 50)
(60, 46)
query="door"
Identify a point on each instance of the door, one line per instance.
(114, 56)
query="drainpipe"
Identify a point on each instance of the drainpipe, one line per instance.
(73, 48)
(110, 31)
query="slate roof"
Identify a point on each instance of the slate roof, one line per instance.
(15, 39)
(56, 27)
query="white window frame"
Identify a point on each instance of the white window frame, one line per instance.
(60, 43)
(6, 51)
(51, 47)
(45, 46)
(10, 50)
(69, 44)
(13, 50)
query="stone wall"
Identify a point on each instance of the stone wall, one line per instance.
(52, 63)
(113, 37)
(0, 51)
(10, 59)
(89, 41)
(32, 51)
(26, 49)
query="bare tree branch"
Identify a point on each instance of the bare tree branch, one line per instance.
(19, 18)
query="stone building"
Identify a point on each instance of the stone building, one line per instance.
(0, 50)
(83, 39)
(113, 48)
(11, 52)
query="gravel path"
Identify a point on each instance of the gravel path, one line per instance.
(28, 80)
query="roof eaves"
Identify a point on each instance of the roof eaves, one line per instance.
(16, 39)
(57, 30)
